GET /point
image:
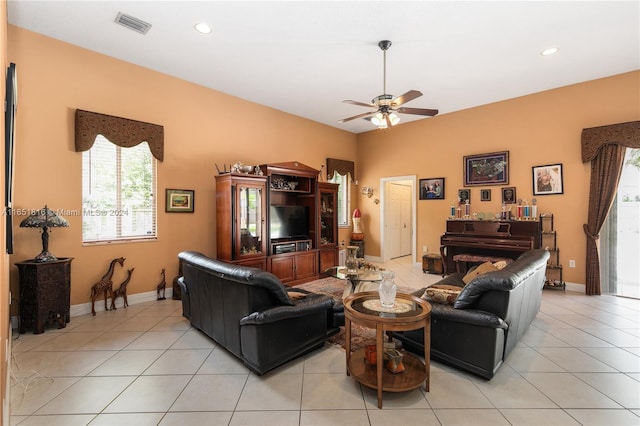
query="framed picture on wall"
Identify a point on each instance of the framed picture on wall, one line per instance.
(464, 195)
(509, 195)
(432, 189)
(486, 169)
(179, 201)
(547, 180)
(485, 195)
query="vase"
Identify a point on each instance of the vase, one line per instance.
(351, 262)
(387, 289)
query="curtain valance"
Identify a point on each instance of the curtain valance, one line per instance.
(594, 138)
(341, 166)
(120, 131)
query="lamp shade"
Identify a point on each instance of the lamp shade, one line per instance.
(44, 218)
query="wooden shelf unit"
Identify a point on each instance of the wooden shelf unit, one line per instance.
(243, 206)
(553, 279)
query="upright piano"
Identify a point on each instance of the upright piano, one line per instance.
(498, 238)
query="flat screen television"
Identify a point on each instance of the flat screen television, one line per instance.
(289, 222)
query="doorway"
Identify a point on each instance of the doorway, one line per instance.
(397, 217)
(620, 234)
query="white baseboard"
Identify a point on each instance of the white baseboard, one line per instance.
(149, 296)
(578, 288)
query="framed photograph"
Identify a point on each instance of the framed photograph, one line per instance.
(464, 195)
(509, 195)
(547, 180)
(486, 169)
(485, 195)
(179, 201)
(432, 189)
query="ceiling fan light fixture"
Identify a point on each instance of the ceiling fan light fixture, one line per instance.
(380, 121)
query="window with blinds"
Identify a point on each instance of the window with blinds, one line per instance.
(118, 193)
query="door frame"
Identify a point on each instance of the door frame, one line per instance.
(383, 196)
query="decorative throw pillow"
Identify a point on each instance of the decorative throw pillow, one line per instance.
(481, 269)
(500, 265)
(442, 293)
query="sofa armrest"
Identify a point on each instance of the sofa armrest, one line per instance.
(301, 307)
(468, 316)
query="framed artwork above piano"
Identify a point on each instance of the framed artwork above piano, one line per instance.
(486, 169)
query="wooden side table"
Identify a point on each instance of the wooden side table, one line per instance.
(358, 309)
(45, 293)
(432, 263)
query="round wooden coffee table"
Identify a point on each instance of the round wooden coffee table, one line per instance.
(409, 313)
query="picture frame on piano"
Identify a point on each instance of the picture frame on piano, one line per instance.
(432, 189)
(547, 180)
(486, 169)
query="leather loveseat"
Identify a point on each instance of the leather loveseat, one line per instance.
(249, 312)
(488, 317)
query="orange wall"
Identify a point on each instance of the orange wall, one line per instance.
(202, 128)
(539, 129)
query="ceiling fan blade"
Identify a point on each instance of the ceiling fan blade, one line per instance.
(360, 103)
(363, 115)
(409, 96)
(417, 111)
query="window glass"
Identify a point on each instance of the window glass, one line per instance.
(118, 193)
(344, 194)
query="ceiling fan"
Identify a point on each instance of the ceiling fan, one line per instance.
(387, 106)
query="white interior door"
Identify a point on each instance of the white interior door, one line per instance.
(398, 219)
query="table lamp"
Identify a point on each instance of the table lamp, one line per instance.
(44, 218)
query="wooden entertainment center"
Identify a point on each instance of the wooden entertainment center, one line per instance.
(284, 221)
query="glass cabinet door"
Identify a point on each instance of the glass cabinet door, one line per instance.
(250, 221)
(328, 212)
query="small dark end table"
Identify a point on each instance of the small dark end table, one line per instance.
(45, 293)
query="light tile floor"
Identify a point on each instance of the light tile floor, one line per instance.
(579, 363)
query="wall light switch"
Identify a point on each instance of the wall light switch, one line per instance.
(572, 264)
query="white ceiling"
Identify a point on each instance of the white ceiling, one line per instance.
(305, 57)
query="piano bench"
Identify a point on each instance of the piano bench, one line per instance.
(462, 260)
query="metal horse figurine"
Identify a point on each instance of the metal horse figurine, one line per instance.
(105, 285)
(122, 291)
(162, 286)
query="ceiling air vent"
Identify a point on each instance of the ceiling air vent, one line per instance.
(132, 23)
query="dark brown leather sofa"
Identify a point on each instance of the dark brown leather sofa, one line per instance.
(489, 316)
(249, 312)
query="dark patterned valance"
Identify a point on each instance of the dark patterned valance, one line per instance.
(624, 134)
(341, 166)
(120, 131)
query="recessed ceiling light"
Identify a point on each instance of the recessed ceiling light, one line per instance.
(549, 51)
(203, 28)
